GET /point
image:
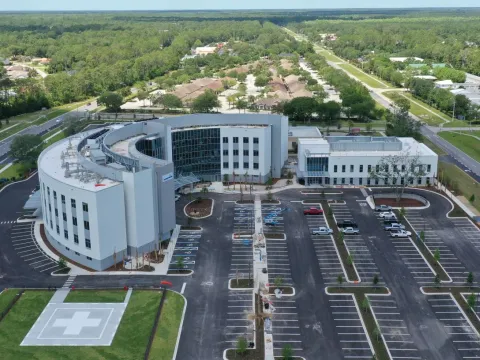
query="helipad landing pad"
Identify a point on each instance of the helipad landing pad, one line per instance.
(76, 324)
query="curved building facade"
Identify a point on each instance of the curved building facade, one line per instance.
(109, 192)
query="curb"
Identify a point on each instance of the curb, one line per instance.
(237, 289)
(199, 218)
(19, 181)
(180, 328)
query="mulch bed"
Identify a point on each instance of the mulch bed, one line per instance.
(179, 271)
(120, 267)
(245, 202)
(183, 227)
(270, 202)
(241, 284)
(404, 202)
(199, 208)
(62, 271)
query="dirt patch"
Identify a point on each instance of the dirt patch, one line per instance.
(199, 208)
(241, 284)
(404, 202)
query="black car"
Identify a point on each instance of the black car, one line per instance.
(347, 223)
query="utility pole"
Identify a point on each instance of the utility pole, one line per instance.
(453, 112)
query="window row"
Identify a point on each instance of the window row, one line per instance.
(386, 181)
(236, 164)
(88, 243)
(245, 153)
(386, 168)
(235, 140)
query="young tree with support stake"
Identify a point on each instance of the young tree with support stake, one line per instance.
(470, 279)
(397, 171)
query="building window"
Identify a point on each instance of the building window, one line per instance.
(419, 181)
(51, 224)
(343, 181)
(404, 168)
(352, 167)
(386, 181)
(361, 168)
(368, 181)
(235, 152)
(225, 165)
(68, 249)
(429, 168)
(376, 181)
(351, 181)
(86, 225)
(50, 207)
(377, 168)
(402, 181)
(89, 258)
(343, 168)
(85, 207)
(225, 140)
(410, 181)
(63, 199)
(386, 168)
(369, 168)
(48, 190)
(335, 168)
(235, 140)
(56, 212)
(64, 216)
(394, 181)
(395, 168)
(420, 168)
(245, 152)
(65, 234)
(245, 140)
(255, 140)
(58, 229)
(74, 220)
(255, 166)
(245, 165)
(360, 181)
(75, 238)
(334, 181)
(225, 152)
(88, 245)
(235, 164)
(74, 204)
(54, 195)
(77, 253)
(255, 152)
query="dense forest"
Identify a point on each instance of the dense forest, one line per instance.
(451, 40)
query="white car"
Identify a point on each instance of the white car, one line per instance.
(388, 215)
(322, 230)
(394, 226)
(350, 231)
(400, 233)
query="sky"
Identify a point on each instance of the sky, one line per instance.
(58, 5)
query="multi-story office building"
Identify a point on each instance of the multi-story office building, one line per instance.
(109, 192)
(350, 160)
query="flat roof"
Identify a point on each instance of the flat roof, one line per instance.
(304, 132)
(409, 145)
(121, 147)
(51, 161)
(313, 141)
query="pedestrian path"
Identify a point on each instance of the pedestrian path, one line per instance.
(8, 222)
(69, 282)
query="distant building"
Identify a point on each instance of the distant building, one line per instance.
(444, 84)
(266, 103)
(404, 58)
(425, 77)
(295, 133)
(204, 50)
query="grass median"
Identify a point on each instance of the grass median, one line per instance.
(468, 144)
(370, 80)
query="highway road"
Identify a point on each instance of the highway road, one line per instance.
(40, 129)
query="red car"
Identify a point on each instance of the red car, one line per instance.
(312, 211)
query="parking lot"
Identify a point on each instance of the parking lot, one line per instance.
(278, 262)
(23, 242)
(285, 326)
(325, 249)
(411, 257)
(241, 263)
(275, 214)
(468, 230)
(186, 248)
(240, 304)
(455, 269)
(393, 328)
(348, 326)
(244, 219)
(357, 246)
(463, 337)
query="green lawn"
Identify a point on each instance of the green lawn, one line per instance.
(466, 184)
(474, 132)
(371, 81)
(468, 144)
(12, 171)
(58, 137)
(460, 123)
(100, 296)
(432, 117)
(6, 297)
(327, 54)
(129, 343)
(166, 337)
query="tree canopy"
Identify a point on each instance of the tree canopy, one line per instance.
(26, 148)
(112, 101)
(205, 103)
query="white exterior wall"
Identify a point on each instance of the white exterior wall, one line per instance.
(106, 218)
(318, 148)
(139, 207)
(264, 149)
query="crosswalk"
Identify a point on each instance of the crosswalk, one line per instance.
(8, 222)
(69, 282)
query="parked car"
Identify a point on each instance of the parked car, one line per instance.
(322, 230)
(388, 215)
(394, 226)
(400, 233)
(347, 223)
(313, 211)
(390, 221)
(270, 222)
(350, 231)
(177, 197)
(383, 208)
